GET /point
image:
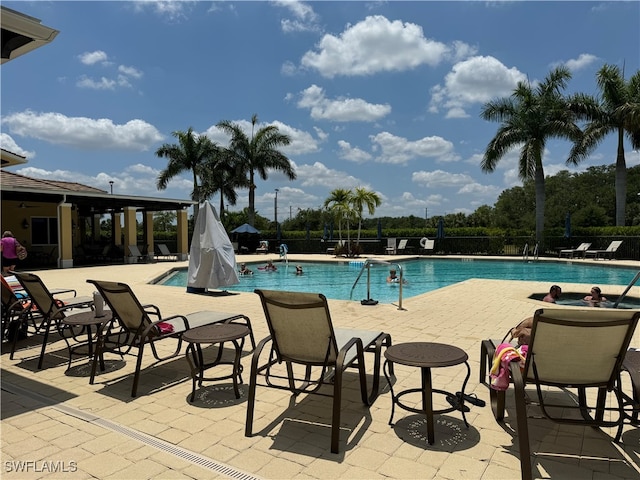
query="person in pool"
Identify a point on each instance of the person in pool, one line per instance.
(244, 270)
(553, 295)
(596, 296)
(393, 278)
(270, 266)
(299, 270)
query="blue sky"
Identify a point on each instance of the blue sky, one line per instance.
(383, 95)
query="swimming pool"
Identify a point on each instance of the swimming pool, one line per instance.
(335, 280)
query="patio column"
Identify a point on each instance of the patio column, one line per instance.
(148, 233)
(183, 234)
(96, 226)
(130, 233)
(116, 227)
(65, 236)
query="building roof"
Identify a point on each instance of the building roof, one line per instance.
(21, 34)
(89, 199)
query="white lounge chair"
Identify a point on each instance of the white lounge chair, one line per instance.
(609, 251)
(571, 252)
(391, 246)
(165, 254)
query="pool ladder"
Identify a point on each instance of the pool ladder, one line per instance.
(631, 283)
(525, 252)
(367, 266)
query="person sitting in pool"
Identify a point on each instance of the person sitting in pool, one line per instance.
(553, 295)
(596, 296)
(299, 270)
(270, 266)
(244, 270)
(393, 278)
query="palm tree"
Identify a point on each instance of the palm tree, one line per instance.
(339, 204)
(219, 174)
(617, 111)
(257, 154)
(364, 198)
(189, 154)
(529, 118)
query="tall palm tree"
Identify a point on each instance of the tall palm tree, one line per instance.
(257, 154)
(529, 118)
(189, 154)
(361, 198)
(220, 175)
(339, 204)
(617, 111)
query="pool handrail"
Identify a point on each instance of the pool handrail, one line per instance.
(626, 290)
(367, 265)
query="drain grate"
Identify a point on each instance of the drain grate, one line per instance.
(194, 458)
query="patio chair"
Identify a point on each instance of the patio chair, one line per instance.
(562, 354)
(610, 251)
(52, 309)
(572, 252)
(302, 335)
(427, 245)
(138, 329)
(391, 246)
(134, 252)
(16, 313)
(402, 246)
(263, 247)
(166, 254)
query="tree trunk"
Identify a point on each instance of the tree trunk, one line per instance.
(252, 200)
(621, 181)
(540, 199)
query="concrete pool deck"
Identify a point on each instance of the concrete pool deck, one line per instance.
(57, 425)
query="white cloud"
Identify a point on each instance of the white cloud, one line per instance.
(318, 175)
(374, 45)
(475, 80)
(83, 132)
(440, 178)
(305, 19)
(130, 71)
(91, 58)
(170, 10)
(101, 84)
(340, 109)
(399, 150)
(9, 144)
(583, 61)
(353, 154)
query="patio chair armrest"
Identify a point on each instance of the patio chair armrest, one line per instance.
(167, 319)
(152, 309)
(342, 354)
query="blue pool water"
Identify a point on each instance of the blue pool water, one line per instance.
(335, 280)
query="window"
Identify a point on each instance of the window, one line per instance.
(44, 231)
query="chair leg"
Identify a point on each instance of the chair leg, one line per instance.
(337, 404)
(136, 376)
(253, 380)
(487, 351)
(47, 327)
(521, 421)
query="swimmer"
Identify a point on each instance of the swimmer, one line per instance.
(553, 295)
(244, 270)
(270, 266)
(393, 278)
(299, 270)
(596, 296)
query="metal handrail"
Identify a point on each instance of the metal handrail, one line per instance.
(631, 283)
(367, 265)
(525, 252)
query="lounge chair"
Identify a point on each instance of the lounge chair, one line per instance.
(427, 245)
(16, 313)
(562, 354)
(138, 329)
(165, 254)
(402, 246)
(572, 252)
(610, 251)
(391, 246)
(302, 334)
(134, 252)
(52, 309)
(263, 247)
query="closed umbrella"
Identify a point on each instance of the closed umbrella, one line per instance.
(212, 261)
(325, 233)
(379, 229)
(440, 233)
(567, 225)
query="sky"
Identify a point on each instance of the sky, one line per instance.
(384, 95)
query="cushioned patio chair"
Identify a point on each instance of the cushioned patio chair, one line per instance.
(562, 353)
(610, 251)
(572, 252)
(165, 254)
(52, 309)
(138, 329)
(302, 335)
(16, 314)
(263, 247)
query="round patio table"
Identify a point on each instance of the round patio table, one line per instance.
(426, 355)
(213, 334)
(87, 320)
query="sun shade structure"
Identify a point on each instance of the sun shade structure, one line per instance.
(246, 228)
(212, 260)
(562, 354)
(303, 338)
